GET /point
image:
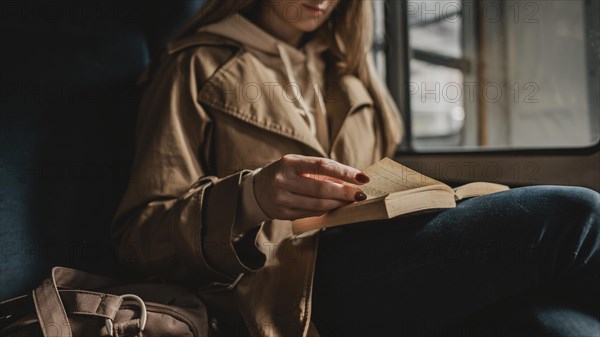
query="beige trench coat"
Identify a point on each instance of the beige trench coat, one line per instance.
(211, 113)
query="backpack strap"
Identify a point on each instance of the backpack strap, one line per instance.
(50, 310)
(46, 301)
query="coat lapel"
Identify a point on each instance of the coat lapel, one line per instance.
(345, 94)
(247, 90)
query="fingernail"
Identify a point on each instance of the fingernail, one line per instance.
(362, 178)
(360, 196)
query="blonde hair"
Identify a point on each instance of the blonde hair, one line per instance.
(350, 32)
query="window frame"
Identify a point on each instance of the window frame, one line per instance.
(398, 76)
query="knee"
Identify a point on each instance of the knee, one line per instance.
(572, 199)
(563, 204)
(571, 219)
(580, 200)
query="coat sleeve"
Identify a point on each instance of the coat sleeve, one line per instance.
(175, 220)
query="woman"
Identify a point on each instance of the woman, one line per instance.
(256, 115)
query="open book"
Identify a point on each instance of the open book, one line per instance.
(394, 190)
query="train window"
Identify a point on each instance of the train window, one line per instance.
(496, 74)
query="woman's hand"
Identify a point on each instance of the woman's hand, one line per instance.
(297, 186)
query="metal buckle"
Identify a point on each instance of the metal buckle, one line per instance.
(235, 282)
(226, 286)
(143, 314)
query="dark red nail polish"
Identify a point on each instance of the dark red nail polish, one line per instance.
(360, 196)
(362, 178)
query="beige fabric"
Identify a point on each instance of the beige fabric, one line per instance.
(303, 69)
(250, 213)
(198, 136)
(300, 70)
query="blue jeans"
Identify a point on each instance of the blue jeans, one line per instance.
(524, 262)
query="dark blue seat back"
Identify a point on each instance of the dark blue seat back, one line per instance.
(67, 116)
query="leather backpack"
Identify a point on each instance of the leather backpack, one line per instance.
(73, 303)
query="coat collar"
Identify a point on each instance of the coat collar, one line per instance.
(247, 90)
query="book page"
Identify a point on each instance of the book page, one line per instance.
(388, 176)
(477, 188)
